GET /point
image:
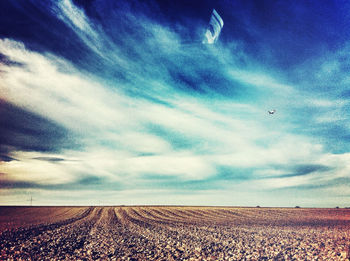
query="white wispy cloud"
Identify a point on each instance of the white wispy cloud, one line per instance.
(29, 169)
(260, 80)
(117, 134)
(76, 19)
(97, 112)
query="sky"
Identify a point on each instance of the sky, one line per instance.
(108, 102)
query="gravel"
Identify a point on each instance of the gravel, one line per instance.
(184, 233)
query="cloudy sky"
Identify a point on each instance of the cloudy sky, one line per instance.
(120, 102)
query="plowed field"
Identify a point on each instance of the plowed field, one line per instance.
(173, 233)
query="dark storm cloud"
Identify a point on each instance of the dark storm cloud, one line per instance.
(23, 130)
(50, 159)
(302, 170)
(84, 182)
(4, 184)
(320, 184)
(6, 158)
(6, 61)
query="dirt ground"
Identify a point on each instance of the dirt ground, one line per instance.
(173, 233)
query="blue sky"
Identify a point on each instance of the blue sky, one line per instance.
(120, 102)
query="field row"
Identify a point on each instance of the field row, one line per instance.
(175, 233)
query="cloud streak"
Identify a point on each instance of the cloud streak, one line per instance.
(149, 113)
